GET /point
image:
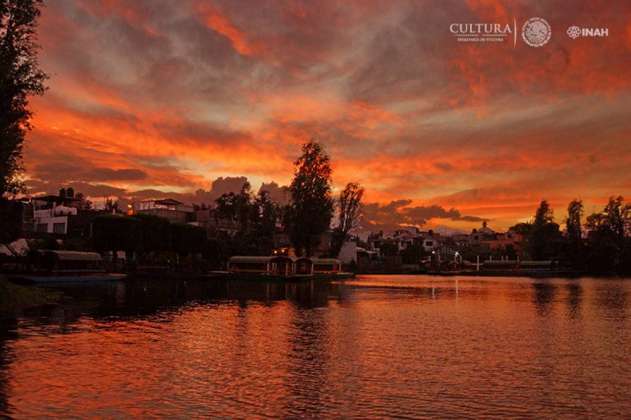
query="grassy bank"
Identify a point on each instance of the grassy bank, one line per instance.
(15, 298)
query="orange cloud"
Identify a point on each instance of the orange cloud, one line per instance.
(143, 95)
(221, 24)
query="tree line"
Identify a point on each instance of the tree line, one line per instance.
(600, 243)
(147, 238)
(258, 220)
(247, 224)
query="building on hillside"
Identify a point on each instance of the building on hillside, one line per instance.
(430, 241)
(172, 210)
(404, 238)
(487, 238)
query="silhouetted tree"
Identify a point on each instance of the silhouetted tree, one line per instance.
(243, 207)
(111, 206)
(544, 214)
(154, 234)
(413, 254)
(20, 77)
(226, 206)
(236, 207)
(608, 238)
(311, 207)
(256, 220)
(116, 233)
(573, 222)
(187, 239)
(545, 240)
(574, 234)
(349, 211)
(265, 214)
(522, 228)
(11, 212)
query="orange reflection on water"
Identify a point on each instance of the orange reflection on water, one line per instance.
(376, 346)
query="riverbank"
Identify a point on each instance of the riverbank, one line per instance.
(16, 298)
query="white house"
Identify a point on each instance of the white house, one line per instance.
(53, 219)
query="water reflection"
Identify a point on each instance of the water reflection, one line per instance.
(574, 298)
(308, 359)
(145, 298)
(373, 347)
(5, 360)
(612, 299)
(543, 296)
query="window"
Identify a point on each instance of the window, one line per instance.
(59, 228)
(42, 227)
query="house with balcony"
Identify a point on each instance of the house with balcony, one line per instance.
(172, 210)
(52, 218)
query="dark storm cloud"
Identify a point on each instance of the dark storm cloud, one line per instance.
(64, 171)
(400, 213)
(106, 174)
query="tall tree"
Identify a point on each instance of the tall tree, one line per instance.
(243, 207)
(349, 212)
(618, 216)
(544, 214)
(265, 214)
(311, 208)
(573, 222)
(20, 76)
(545, 237)
(574, 233)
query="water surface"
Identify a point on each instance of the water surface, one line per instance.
(408, 346)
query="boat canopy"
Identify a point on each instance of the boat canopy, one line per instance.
(326, 265)
(325, 261)
(72, 255)
(283, 265)
(68, 261)
(249, 259)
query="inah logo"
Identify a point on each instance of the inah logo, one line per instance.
(575, 32)
(536, 32)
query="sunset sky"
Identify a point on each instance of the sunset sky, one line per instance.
(162, 97)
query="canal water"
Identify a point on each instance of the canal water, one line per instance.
(405, 346)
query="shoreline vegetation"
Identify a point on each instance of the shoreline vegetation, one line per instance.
(597, 245)
(251, 224)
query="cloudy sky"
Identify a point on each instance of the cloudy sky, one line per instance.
(159, 97)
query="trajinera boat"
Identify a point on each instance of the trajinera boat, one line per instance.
(285, 267)
(51, 266)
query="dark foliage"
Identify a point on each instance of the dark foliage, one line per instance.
(20, 77)
(349, 212)
(311, 209)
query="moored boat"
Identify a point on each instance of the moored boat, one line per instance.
(51, 266)
(283, 267)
